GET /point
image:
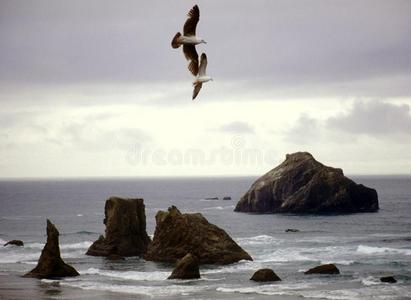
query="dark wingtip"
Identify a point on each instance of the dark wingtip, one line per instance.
(174, 42)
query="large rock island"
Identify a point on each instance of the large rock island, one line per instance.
(303, 185)
(178, 234)
(126, 234)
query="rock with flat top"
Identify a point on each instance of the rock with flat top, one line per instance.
(388, 279)
(303, 185)
(125, 235)
(50, 264)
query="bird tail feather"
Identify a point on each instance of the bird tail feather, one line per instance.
(174, 43)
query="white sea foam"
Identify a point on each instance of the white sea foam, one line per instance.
(152, 291)
(370, 280)
(258, 240)
(363, 249)
(72, 246)
(21, 257)
(307, 290)
(128, 275)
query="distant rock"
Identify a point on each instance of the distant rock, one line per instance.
(227, 198)
(15, 243)
(126, 235)
(50, 264)
(264, 275)
(388, 279)
(303, 185)
(211, 198)
(324, 269)
(186, 268)
(177, 234)
(292, 230)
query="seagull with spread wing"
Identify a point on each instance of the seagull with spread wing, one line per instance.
(202, 77)
(189, 40)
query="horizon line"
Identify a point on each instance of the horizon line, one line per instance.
(94, 177)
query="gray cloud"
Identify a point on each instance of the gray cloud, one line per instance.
(342, 46)
(375, 118)
(305, 130)
(237, 127)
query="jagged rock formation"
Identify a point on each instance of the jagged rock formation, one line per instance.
(303, 185)
(186, 268)
(177, 234)
(15, 243)
(50, 264)
(264, 275)
(126, 234)
(324, 269)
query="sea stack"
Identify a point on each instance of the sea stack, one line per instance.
(50, 264)
(303, 185)
(177, 234)
(126, 234)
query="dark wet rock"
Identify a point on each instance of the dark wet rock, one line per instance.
(177, 234)
(115, 257)
(15, 243)
(324, 269)
(227, 198)
(388, 279)
(264, 275)
(125, 235)
(211, 198)
(186, 268)
(50, 264)
(291, 230)
(303, 185)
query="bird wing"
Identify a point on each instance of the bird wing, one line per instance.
(203, 65)
(191, 54)
(193, 67)
(191, 23)
(197, 88)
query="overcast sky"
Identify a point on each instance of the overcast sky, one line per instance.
(93, 88)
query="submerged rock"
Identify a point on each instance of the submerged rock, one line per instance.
(303, 185)
(126, 234)
(226, 198)
(186, 268)
(324, 269)
(211, 198)
(177, 234)
(264, 275)
(15, 243)
(388, 279)
(50, 264)
(292, 230)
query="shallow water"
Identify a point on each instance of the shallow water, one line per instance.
(363, 246)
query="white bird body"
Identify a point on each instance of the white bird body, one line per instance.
(190, 40)
(201, 77)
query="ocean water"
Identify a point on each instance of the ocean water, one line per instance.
(363, 246)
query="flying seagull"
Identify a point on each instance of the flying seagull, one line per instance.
(202, 77)
(189, 40)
